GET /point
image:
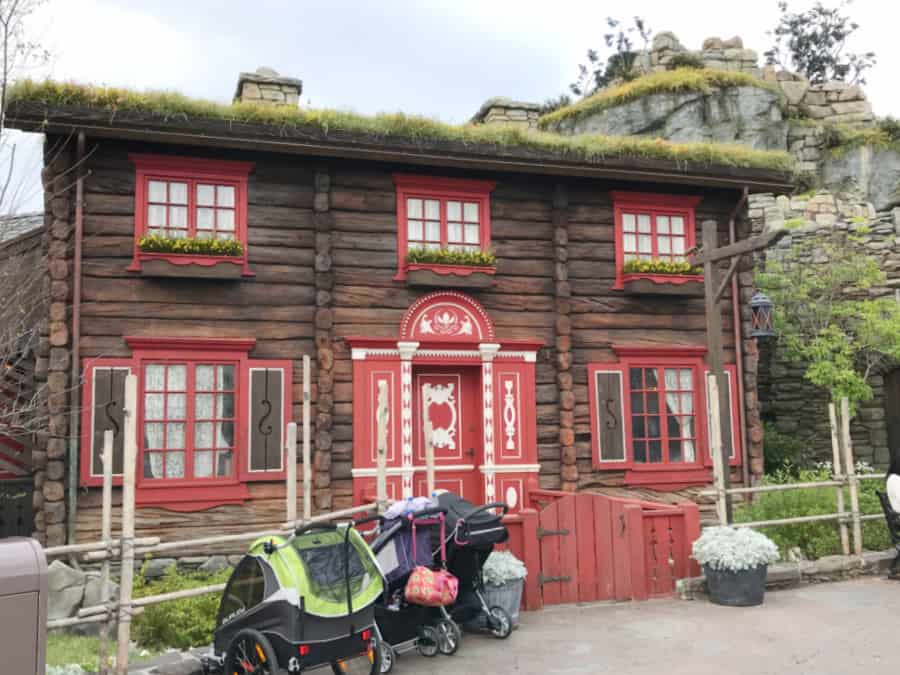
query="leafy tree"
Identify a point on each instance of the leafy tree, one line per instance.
(602, 69)
(813, 43)
(825, 317)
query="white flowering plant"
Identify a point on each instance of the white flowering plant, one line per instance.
(502, 567)
(734, 549)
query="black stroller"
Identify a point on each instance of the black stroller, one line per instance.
(403, 544)
(472, 533)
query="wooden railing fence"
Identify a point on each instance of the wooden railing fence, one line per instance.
(844, 476)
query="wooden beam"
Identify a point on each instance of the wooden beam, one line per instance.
(723, 284)
(758, 243)
(715, 356)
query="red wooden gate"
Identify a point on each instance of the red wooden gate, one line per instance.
(594, 547)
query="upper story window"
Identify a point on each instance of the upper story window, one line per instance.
(648, 415)
(209, 419)
(195, 210)
(657, 230)
(446, 217)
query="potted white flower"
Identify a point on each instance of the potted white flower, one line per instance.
(504, 577)
(735, 562)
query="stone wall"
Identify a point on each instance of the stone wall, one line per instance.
(789, 401)
(715, 53)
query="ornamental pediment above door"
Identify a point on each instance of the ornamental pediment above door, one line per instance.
(446, 316)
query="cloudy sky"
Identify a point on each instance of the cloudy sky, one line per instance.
(440, 58)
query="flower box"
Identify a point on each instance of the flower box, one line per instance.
(690, 285)
(449, 276)
(180, 266)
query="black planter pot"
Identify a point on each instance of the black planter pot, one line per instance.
(736, 589)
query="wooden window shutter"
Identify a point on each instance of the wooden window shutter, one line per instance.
(609, 416)
(727, 415)
(108, 412)
(268, 402)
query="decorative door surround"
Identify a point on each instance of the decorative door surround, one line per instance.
(445, 328)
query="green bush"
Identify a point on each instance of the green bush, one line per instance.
(668, 267)
(155, 243)
(178, 623)
(783, 452)
(446, 257)
(685, 60)
(815, 540)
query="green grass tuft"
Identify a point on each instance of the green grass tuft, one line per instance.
(841, 139)
(672, 81)
(399, 126)
(447, 257)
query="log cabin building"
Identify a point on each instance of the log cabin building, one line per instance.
(550, 362)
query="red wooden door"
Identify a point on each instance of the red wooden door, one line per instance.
(447, 404)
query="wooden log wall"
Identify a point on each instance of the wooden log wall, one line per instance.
(278, 307)
(323, 244)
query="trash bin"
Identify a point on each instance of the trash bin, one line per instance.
(23, 606)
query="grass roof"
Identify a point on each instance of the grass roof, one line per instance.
(702, 80)
(384, 127)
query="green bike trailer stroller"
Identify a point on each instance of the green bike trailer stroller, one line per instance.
(300, 603)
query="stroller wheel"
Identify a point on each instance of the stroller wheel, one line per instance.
(499, 622)
(428, 642)
(387, 657)
(251, 653)
(449, 636)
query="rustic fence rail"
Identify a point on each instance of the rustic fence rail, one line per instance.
(843, 476)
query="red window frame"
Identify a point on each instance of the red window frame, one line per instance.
(442, 190)
(187, 494)
(671, 475)
(193, 171)
(653, 205)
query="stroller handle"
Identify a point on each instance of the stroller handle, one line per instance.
(312, 527)
(488, 507)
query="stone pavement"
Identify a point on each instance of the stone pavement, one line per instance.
(829, 629)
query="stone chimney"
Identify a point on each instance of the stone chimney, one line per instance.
(500, 110)
(267, 86)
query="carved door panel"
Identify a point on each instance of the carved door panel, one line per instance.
(447, 412)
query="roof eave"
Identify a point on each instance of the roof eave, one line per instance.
(631, 169)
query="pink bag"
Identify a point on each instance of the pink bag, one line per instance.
(427, 587)
(431, 588)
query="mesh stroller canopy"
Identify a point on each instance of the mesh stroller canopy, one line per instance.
(331, 571)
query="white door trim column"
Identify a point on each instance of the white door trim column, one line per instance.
(407, 350)
(488, 352)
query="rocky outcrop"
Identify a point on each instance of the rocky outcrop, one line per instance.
(865, 173)
(747, 115)
(66, 586)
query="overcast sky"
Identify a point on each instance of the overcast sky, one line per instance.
(434, 57)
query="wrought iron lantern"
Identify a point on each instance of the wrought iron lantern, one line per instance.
(762, 316)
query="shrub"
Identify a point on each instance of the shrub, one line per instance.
(733, 549)
(783, 452)
(154, 243)
(660, 267)
(685, 60)
(178, 623)
(815, 540)
(447, 257)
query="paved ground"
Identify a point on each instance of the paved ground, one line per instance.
(839, 628)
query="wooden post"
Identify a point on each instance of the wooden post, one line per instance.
(383, 416)
(307, 453)
(127, 574)
(291, 459)
(838, 475)
(715, 449)
(106, 536)
(715, 359)
(850, 469)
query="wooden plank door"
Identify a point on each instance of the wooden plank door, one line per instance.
(448, 401)
(559, 552)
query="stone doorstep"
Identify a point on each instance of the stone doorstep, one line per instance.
(792, 574)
